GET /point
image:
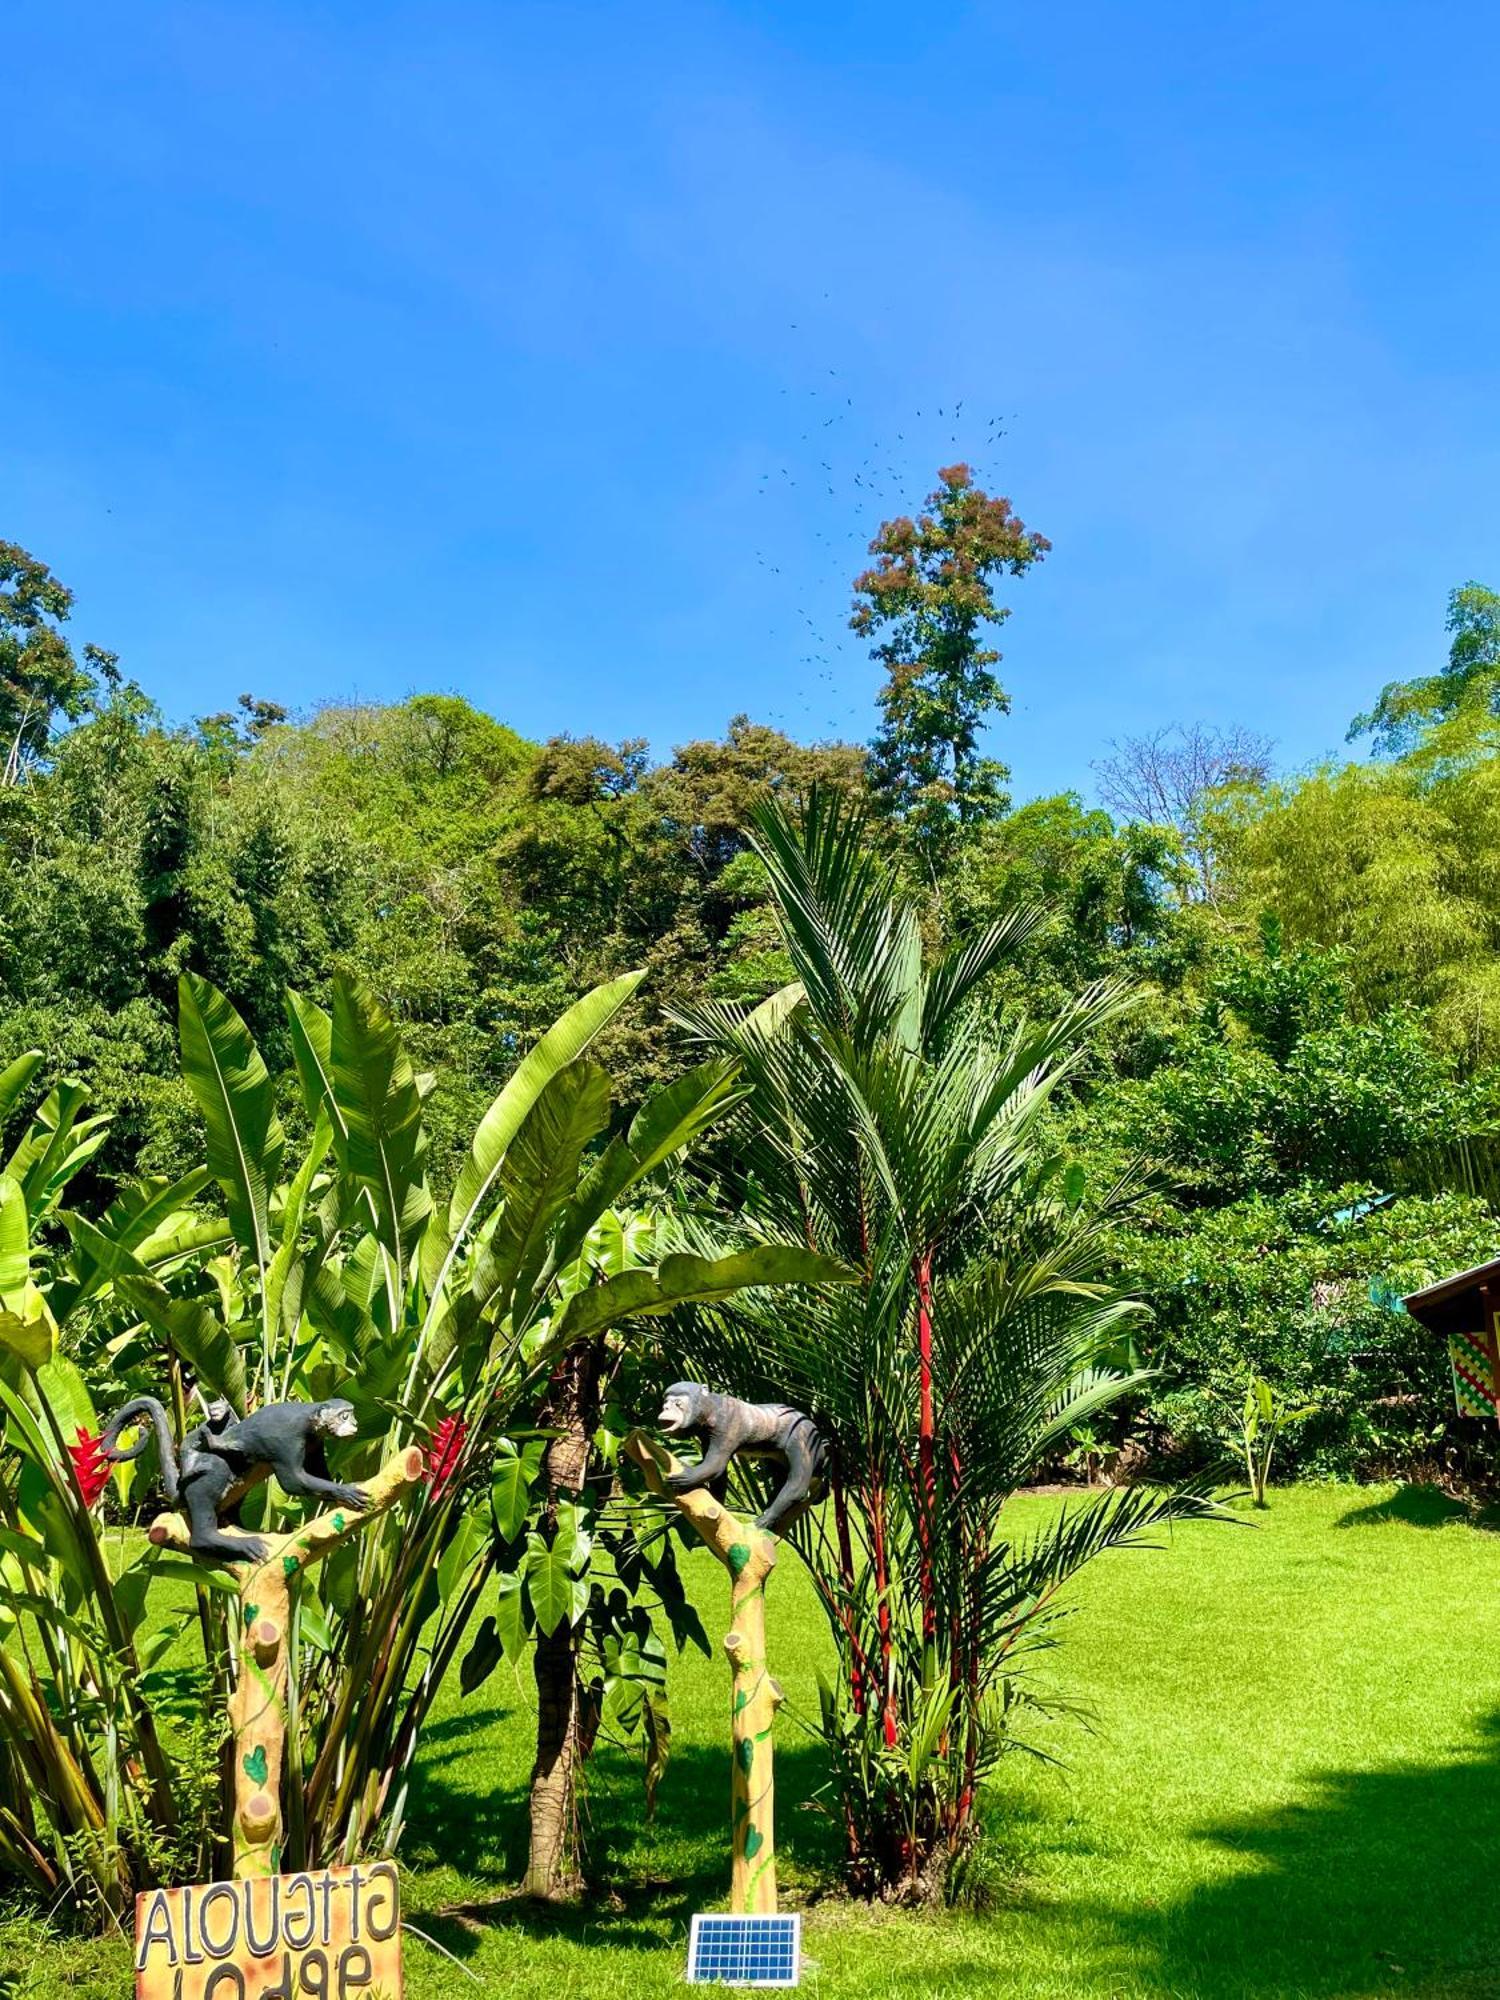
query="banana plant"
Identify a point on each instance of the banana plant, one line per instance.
(89, 1794)
(1258, 1423)
(448, 1322)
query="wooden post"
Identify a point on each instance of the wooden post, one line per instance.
(257, 1708)
(749, 1554)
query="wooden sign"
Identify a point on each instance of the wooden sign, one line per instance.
(328, 1936)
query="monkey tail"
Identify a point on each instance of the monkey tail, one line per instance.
(132, 1413)
(825, 1452)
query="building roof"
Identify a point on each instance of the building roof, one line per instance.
(1454, 1305)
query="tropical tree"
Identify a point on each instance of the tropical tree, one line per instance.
(925, 603)
(40, 679)
(1469, 678)
(1167, 778)
(894, 1124)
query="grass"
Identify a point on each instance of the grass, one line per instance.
(1292, 1788)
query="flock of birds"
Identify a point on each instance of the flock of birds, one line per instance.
(822, 502)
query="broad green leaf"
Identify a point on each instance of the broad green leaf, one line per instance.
(562, 1044)
(510, 1489)
(60, 1383)
(683, 1279)
(182, 1569)
(223, 1069)
(617, 1242)
(634, 1655)
(184, 1235)
(151, 1650)
(287, 1275)
(45, 1612)
(14, 1079)
(382, 1145)
(538, 1178)
(572, 1538)
(468, 1539)
(313, 1627)
(549, 1582)
(56, 1144)
(482, 1658)
(27, 1549)
(510, 1614)
(583, 1587)
(27, 1328)
(338, 1577)
(15, 1243)
(200, 1341)
(673, 1116)
(29, 1335)
(312, 1051)
(359, 1272)
(23, 1429)
(666, 1124)
(150, 1217)
(15, 1575)
(350, 1331)
(371, 1361)
(40, 1504)
(131, 1587)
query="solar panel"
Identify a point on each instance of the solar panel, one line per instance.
(745, 1951)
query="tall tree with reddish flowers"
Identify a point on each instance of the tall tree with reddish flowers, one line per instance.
(892, 1122)
(927, 602)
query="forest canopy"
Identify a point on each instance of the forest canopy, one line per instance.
(1310, 1072)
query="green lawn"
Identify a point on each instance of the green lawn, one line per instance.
(1292, 1788)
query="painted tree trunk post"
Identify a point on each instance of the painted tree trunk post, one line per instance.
(257, 1707)
(749, 1555)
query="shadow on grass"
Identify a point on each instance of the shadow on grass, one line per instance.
(1379, 1883)
(1422, 1506)
(1373, 1884)
(652, 1874)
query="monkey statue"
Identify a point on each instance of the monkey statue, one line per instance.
(225, 1451)
(725, 1425)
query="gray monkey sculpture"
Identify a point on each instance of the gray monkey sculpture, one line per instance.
(726, 1426)
(285, 1439)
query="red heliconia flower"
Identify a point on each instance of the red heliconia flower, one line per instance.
(444, 1452)
(90, 1466)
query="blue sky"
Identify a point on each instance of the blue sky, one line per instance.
(356, 349)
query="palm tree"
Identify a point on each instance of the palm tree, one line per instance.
(893, 1124)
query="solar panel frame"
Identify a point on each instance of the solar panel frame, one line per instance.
(728, 1950)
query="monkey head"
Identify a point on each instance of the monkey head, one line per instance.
(336, 1416)
(681, 1407)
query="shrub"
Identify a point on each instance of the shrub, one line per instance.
(1304, 1289)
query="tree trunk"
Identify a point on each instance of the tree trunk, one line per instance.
(554, 1865)
(554, 1868)
(926, 1444)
